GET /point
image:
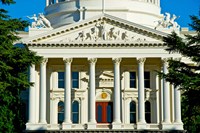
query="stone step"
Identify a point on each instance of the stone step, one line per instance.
(107, 131)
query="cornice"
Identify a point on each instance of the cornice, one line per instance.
(102, 44)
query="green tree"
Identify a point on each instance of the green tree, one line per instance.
(187, 76)
(14, 64)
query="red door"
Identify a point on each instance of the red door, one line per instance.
(104, 112)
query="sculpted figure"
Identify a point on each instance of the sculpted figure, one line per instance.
(173, 23)
(125, 36)
(81, 36)
(101, 30)
(34, 17)
(113, 34)
(167, 22)
(44, 20)
(39, 22)
(164, 22)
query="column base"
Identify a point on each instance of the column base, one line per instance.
(38, 126)
(141, 125)
(178, 126)
(116, 125)
(91, 126)
(66, 126)
(54, 126)
(166, 126)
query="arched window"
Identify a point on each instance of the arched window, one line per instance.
(132, 112)
(148, 111)
(75, 112)
(60, 112)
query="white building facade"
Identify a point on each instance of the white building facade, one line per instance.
(99, 72)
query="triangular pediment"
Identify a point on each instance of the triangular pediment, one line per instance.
(100, 29)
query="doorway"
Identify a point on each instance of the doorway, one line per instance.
(104, 112)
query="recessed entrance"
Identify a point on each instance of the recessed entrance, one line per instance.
(104, 112)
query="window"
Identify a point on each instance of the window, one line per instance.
(60, 112)
(61, 82)
(75, 112)
(109, 113)
(99, 116)
(132, 79)
(146, 79)
(132, 112)
(148, 112)
(75, 80)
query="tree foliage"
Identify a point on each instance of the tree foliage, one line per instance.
(14, 64)
(187, 76)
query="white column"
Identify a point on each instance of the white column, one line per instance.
(103, 6)
(116, 96)
(177, 109)
(43, 89)
(32, 95)
(92, 100)
(157, 99)
(166, 123)
(166, 94)
(47, 2)
(67, 94)
(141, 94)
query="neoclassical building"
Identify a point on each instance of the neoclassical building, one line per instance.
(100, 65)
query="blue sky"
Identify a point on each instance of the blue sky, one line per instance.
(182, 8)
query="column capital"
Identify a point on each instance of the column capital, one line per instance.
(165, 60)
(141, 60)
(68, 60)
(116, 60)
(44, 61)
(92, 60)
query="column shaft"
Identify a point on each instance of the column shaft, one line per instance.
(166, 95)
(47, 2)
(32, 95)
(177, 105)
(116, 98)
(141, 91)
(67, 95)
(92, 88)
(43, 91)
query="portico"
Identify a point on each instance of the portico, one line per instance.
(100, 66)
(93, 83)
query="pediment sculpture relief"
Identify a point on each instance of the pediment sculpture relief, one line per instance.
(100, 32)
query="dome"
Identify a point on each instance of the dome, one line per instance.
(63, 12)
